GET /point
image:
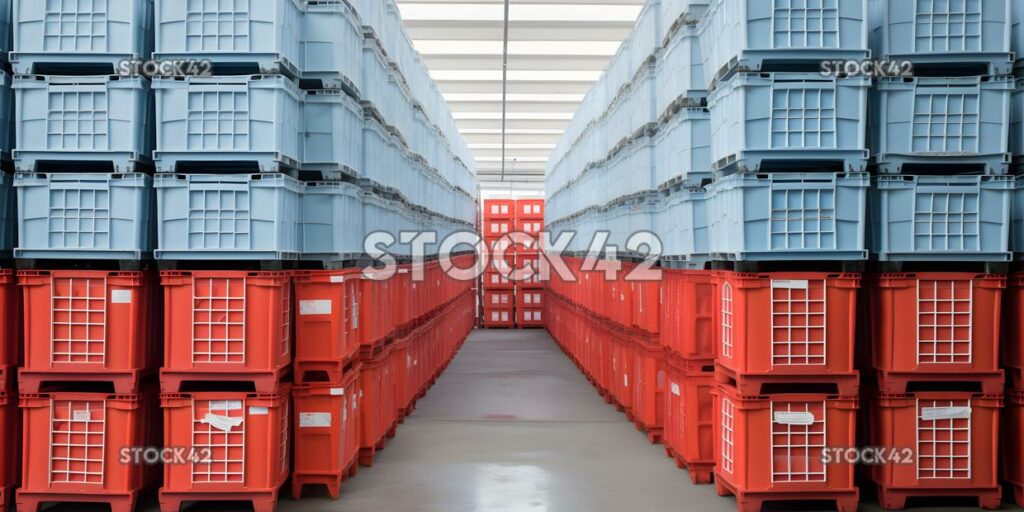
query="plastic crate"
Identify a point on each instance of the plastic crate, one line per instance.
(680, 71)
(383, 156)
(382, 306)
(689, 315)
(787, 216)
(648, 387)
(326, 433)
(85, 216)
(940, 218)
(689, 421)
(961, 124)
(770, 448)
(678, 14)
(1012, 329)
(8, 214)
(332, 221)
(228, 217)
(682, 224)
(379, 412)
(934, 326)
(10, 428)
(327, 330)
(529, 299)
(499, 317)
(6, 113)
(228, 122)
(334, 133)
(682, 150)
(499, 209)
(257, 37)
(332, 40)
(789, 120)
(72, 442)
(787, 328)
(247, 437)
(529, 317)
(11, 340)
(498, 228)
(946, 35)
(1016, 145)
(1013, 447)
(752, 35)
(499, 299)
(70, 37)
(954, 438)
(89, 326)
(60, 120)
(532, 209)
(226, 326)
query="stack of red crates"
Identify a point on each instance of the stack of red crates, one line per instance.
(786, 385)
(529, 293)
(498, 292)
(933, 349)
(90, 357)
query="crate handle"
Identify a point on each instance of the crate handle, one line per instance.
(945, 413)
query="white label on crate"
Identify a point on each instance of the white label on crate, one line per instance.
(225, 423)
(337, 279)
(81, 415)
(120, 296)
(337, 391)
(314, 420)
(355, 315)
(791, 284)
(259, 411)
(675, 389)
(226, 405)
(804, 419)
(315, 307)
(945, 413)
(625, 380)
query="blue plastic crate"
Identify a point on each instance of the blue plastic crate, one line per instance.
(647, 34)
(62, 119)
(677, 14)
(8, 214)
(751, 34)
(947, 33)
(375, 73)
(85, 216)
(682, 224)
(683, 148)
(788, 118)
(228, 217)
(962, 122)
(788, 216)
(6, 116)
(332, 42)
(228, 121)
(680, 71)
(332, 221)
(1016, 146)
(95, 35)
(334, 133)
(940, 218)
(250, 36)
(383, 157)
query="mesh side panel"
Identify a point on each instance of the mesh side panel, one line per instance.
(796, 449)
(943, 445)
(799, 316)
(78, 329)
(947, 26)
(803, 219)
(728, 435)
(944, 320)
(79, 218)
(77, 120)
(218, 120)
(218, 320)
(806, 23)
(286, 308)
(804, 118)
(217, 25)
(75, 26)
(77, 441)
(219, 219)
(947, 221)
(727, 320)
(226, 448)
(285, 434)
(945, 123)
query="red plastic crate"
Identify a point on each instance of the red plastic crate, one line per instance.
(499, 298)
(531, 227)
(530, 317)
(10, 449)
(787, 327)
(326, 432)
(689, 313)
(530, 209)
(72, 448)
(496, 281)
(689, 419)
(1013, 331)
(327, 334)
(10, 328)
(623, 377)
(499, 209)
(379, 313)
(529, 298)
(499, 317)
(1013, 444)
(769, 448)
(954, 437)
(935, 326)
(645, 313)
(400, 365)
(226, 326)
(379, 412)
(246, 437)
(496, 228)
(648, 386)
(86, 325)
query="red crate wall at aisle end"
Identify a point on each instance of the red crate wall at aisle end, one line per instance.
(499, 209)
(532, 209)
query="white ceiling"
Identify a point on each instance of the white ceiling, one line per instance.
(557, 51)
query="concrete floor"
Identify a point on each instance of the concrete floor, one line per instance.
(513, 426)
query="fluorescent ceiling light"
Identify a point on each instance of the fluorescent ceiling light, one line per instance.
(513, 98)
(479, 75)
(533, 12)
(516, 116)
(602, 48)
